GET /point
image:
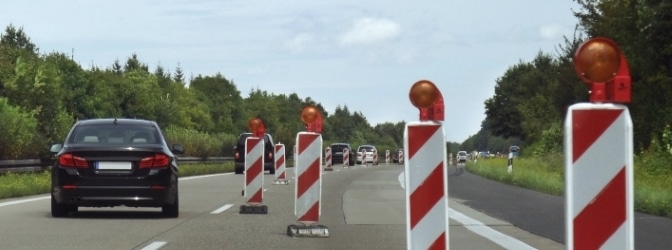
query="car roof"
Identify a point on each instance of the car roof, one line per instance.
(99, 121)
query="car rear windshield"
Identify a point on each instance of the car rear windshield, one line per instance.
(367, 148)
(462, 153)
(338, 147)
(243, 137)
(115, 134)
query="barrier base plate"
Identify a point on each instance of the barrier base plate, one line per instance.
(253, 209)
(316, 231)
(281, 182)
(328, 169)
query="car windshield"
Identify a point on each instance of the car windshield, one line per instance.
(367, 148)
(114, 134)
(338, 147)
(241, 139)
(462, 153)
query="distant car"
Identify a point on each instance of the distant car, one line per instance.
(462, 156)
(369, 153)
(337, 153)
(269, 150)
(114, 162)
(395, 155)
(515, 150)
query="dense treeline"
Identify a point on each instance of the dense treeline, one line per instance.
(43, 94)
(531, 98)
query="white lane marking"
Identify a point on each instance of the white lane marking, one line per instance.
(478, 227)
(8, 203)
(155, 245)
(203, 176)
(23, 201)
(265, 189)
(222, 209)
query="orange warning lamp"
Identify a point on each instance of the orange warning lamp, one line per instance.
(257, 127)
(311, 116)
(428, 99)
(601, 63)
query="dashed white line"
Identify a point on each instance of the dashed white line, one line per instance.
(155, 245)
(222, 209)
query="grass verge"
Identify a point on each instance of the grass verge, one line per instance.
(652, 191)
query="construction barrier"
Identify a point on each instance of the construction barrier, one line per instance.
(426, 186)
(346, 158)
(387, 156)
(375, 157)
(327, 159)
(280, 175)
(254, 177)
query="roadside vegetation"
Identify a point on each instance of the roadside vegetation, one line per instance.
(545, 173)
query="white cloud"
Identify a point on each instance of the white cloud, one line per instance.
(299, 42)
(370, 31)
(551, 32)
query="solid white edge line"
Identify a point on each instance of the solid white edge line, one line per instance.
(480, 228)
(23, 201)
(222, 209)
(154, 245)
(15, 202)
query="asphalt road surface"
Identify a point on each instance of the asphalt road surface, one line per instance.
(364, 208)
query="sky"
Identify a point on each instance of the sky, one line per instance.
(361, 54)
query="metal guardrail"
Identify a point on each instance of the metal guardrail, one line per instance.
(29, 165)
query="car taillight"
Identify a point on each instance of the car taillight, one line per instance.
(237, 155)
(270, 155)
(70, 161)
(156, 161)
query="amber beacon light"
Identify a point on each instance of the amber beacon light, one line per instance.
(256, 126)
(311, 116)
(427, 98)
(600, 63)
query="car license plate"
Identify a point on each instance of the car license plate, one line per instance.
(113, 165)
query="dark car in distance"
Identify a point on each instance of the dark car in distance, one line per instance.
(396, 154)
(337, 153)
(114, 162)
(269, 150)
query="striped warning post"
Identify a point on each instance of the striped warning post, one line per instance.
(375, 157)
(387, 156)
(280, 175)
(254, 170)
(327, 159)
(364, 160)
(400, 157)
(599, 177)
(427, 186)
(308, 188)
(346, 158)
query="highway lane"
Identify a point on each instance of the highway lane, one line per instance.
(543, 214)
(363, 208)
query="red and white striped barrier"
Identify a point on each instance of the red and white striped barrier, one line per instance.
(426, 186)
(365, 163)
(346, 158)
(375, 157)
(327, 159)
(280, 176)
(308, 188)
(387, 156)
(400, 157)
(254, 176)
(599, 177)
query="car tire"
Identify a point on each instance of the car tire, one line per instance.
(238, 171)
(272, 171)
(58, 210)
(172, 210)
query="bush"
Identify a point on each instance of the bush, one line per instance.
(19, 129)
(201, 144)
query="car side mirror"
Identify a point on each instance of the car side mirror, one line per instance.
(55, 148)
(178, 149)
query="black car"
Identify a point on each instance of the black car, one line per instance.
(114, 162)
(269, 150)
(337, 153)
(396, 154)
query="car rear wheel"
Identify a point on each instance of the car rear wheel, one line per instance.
(238, 171)
(172, 210)
(60, 210)
(272, 171)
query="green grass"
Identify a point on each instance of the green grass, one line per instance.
(652, 191)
